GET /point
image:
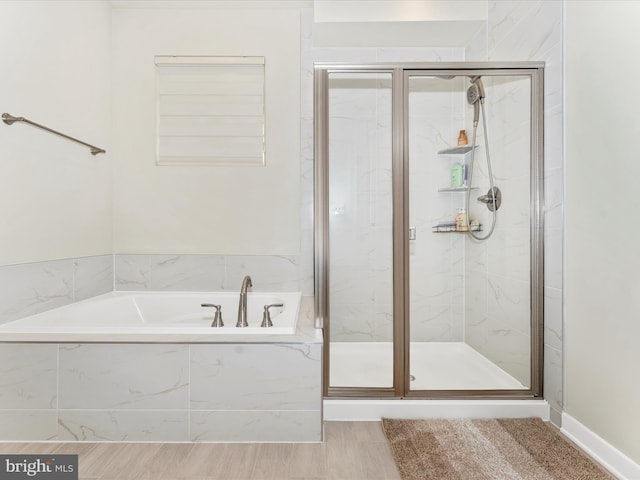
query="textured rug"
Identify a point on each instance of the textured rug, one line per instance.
(500, 449)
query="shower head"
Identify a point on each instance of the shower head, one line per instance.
(475, 92)
(475, 96)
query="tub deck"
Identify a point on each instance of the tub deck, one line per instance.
(167, 317)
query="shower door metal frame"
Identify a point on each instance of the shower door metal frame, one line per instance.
(536, 73)
(400, 178)
(321, 223)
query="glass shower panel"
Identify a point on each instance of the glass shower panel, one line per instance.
(360, 229)
(470, 306)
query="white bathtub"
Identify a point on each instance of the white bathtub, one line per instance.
(160, 315)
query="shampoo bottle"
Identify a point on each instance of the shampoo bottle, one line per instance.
(457, 175)
(461, 221)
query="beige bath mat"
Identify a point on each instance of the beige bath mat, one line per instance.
(500, 449)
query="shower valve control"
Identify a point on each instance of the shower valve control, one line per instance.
(492, 198)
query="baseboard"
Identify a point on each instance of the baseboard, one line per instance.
(603, 452)
(371, 410)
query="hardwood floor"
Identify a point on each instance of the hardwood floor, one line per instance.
(351, 451)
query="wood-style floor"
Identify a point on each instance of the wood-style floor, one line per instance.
(351, 451)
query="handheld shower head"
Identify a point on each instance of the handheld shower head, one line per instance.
(476, 83)
(475, 96)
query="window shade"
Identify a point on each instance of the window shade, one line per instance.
(210, 110)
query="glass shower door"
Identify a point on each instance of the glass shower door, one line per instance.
(360, 279)
(410, 304)
(470, 305)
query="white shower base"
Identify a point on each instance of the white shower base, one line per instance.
(435, 366)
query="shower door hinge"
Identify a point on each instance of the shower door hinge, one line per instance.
(412, 233)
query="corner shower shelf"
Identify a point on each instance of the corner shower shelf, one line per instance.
(464, 188)
(443, 229)
(459, 150)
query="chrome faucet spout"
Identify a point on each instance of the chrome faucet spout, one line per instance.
(242, 305)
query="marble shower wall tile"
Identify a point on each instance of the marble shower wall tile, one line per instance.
(476, 50)
(124, 376)
(509, 254)
(436, 261)
(507, 348)
(553, 170)
(504, 18)
(553, 257)
(360, 184)
(526, 33)
(419, 54)
(28, 376)
(553, 328)
(532, 31)
(553, 378)
(509, 303)
(358, 322)
(360, 259)
(436, 323)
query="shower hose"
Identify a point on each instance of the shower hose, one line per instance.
(468, 192)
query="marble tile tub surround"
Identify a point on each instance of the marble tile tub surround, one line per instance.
(30, 288)
(269, 273)
(162, 392)
(241, 391)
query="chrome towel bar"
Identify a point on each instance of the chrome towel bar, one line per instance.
(10, 120)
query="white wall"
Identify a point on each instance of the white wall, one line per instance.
(55, 197)
(221, 210)
(602, 280)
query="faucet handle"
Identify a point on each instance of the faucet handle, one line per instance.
(266, 316)
(217, 318)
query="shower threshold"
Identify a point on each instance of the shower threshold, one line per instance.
(434, 365)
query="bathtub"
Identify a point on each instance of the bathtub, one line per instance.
(155, 316)
(148, 367)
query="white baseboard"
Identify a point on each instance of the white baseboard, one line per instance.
(603, 452)
(371, 410)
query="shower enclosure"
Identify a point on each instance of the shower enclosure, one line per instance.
(412, 304)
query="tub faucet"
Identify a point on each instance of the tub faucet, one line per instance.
(242, 305)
